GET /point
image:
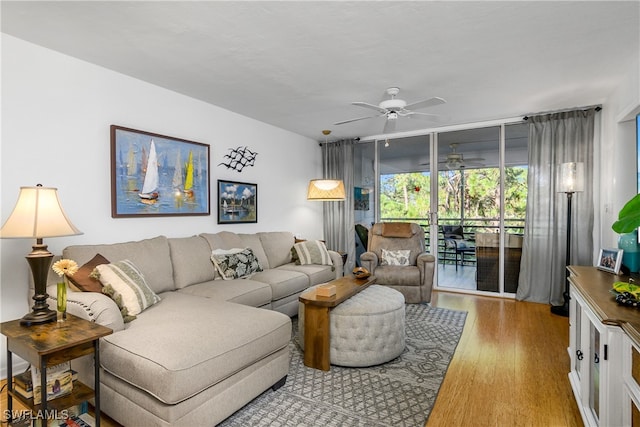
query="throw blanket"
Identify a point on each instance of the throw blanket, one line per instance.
(396, 229)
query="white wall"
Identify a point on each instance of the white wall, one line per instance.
(56, 113)
(618, 182)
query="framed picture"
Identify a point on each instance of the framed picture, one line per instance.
(157, 175)
(360, 199)
(610, 260)
(237, 202)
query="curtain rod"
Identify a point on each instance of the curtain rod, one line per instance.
(465, 126)
(596, 107)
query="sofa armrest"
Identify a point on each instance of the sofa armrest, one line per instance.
(91, 306)
(369, 260)
(336, 258)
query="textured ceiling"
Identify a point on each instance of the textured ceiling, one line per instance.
(299, 65)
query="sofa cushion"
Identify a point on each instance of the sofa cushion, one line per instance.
(398, 276)
(83, 280)
(223, 240)
(151, 256)
(277, 245)
(235, 263)
(253, 241)
(190, 261)
(241, 291)
(129, 286)
(186, 357)
(283, 282)
(316, 273)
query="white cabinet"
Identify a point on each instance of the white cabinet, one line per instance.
(596, 353)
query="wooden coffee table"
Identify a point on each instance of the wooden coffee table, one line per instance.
(316, 318)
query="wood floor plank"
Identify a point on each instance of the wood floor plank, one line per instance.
(510, 367)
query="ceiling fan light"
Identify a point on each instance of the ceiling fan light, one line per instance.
(453, 164)
(392, 115)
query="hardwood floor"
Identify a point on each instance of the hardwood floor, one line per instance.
(510, 367)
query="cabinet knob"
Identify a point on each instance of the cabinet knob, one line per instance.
(579, 354)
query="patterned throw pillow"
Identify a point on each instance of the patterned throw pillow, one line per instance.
(312, 252)
(235, 263)
(128, 285)
(400, 257)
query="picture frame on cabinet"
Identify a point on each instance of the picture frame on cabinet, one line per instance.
(157, 175)
(610, 260)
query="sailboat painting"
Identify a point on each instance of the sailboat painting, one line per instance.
(157, 175)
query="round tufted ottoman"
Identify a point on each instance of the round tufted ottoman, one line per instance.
(365, 330)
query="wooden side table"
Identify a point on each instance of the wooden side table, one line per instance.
(50, 344)
(316, 318)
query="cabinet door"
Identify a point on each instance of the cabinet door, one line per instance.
(596, 363)
(631, 379)
(594, 371)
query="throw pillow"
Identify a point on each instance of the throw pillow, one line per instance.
(235, 263)
(399, 257)
(83, 280)
(312, 252)
(129, 284)
(117, 298)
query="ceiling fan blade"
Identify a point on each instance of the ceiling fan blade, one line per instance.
(370, 106)
(423, 116)
(355, 120)
(390, 126)
(425, 103)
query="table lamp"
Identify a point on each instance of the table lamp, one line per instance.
(38, 214)
(326, 190)
(570, 179)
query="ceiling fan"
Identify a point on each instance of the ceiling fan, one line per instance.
(393, 108)
(455, 160)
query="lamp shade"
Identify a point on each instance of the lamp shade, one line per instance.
(37, 214)
(570, 178)
(326, 190)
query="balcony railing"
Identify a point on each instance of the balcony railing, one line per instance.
(471, 226)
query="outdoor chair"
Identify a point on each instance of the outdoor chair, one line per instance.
(454, 241)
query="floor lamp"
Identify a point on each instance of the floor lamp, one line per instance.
(570, 179)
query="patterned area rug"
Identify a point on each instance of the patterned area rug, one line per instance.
(398, 393)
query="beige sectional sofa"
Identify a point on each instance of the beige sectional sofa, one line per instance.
(210, 345)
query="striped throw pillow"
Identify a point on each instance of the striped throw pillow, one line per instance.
(129, 285)
(312, 252)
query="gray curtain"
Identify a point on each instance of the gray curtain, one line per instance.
(339, 226)
(555, 139)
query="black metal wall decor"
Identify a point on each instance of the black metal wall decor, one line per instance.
(238, 158)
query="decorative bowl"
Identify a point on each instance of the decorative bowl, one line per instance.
(361, 273)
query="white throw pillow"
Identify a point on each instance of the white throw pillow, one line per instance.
(129, 284)
(399, 257)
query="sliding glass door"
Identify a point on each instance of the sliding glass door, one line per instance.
(481, 205)
(472, 212)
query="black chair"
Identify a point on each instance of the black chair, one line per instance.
(362, 242)
(454, 240)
